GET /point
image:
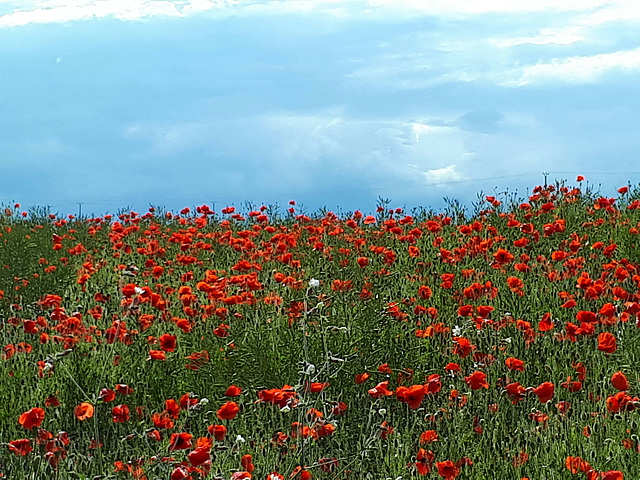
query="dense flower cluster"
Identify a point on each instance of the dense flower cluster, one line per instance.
(205, 345)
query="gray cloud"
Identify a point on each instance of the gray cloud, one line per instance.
(330, 105)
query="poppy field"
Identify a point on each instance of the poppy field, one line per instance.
(283, 345)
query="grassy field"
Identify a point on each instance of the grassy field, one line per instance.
(235, 345)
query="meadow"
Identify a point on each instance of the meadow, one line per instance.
(502, 343)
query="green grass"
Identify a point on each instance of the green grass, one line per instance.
(283, 332)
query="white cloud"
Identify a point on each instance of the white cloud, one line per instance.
(613, 11)
(467, 7)
(56, 11)
(546, 36)
(422, 130)
(440, 176)
(579, 69)
(59, 11)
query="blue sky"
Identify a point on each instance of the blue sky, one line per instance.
(127, 103)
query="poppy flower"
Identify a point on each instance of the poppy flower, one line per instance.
(107, 395)
(32, 418)
(572, 386)
(546, 323)
(247, 463)
(577, 464)
(429, 436)
(52, 401)
(607, 342)
(316, 387)
(622, 402)
(477, 380)
(619, 381)
(513, 363)
(83, 411)
(167, 342)
(380, 390)
(339, 409)
(447, 470)
(385, 430)
(180, 441)
(325, 430)
(162, 420)
(544, 391)
(199, 456)
(424, 461)
(362, 262)
(21, 447)
(233, 391)
(120, 414)
(361, 377)
(172, 408)
(219, 432)
(424, 292)
(180, 473)
(452, 367)
(611, 475)
(412, 395)
(157, 355)
(123, 389)
(433, 385)
(228, 411)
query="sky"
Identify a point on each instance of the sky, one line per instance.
(336, 104)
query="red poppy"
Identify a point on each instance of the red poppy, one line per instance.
(424, 292)
(162, 420)
(447, 470)
(361, 377)
(433, 385)
(546, 323)
(544, 391)
(429, 436)
(228, 411)
(219, 432)
(233, 391)
(157, 355)
(167, 342)
(83, 411)
(316, 387)
(572, 386)
(123, 389)
(180, 441)
(172, 408)
(380, 390)
(611, 475)
(622, 402)
(188, 401)
(362, 262)
(247, 463)
(477, 380)
(412, 395)
(619, 381)
(32, 418)
(120, 414)
(607, 342)
(199, 456)
(107, 395)
(424, 461)
(52, 401)
(21, 447)
(577, 464)
(452, 367)
(514, 364)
